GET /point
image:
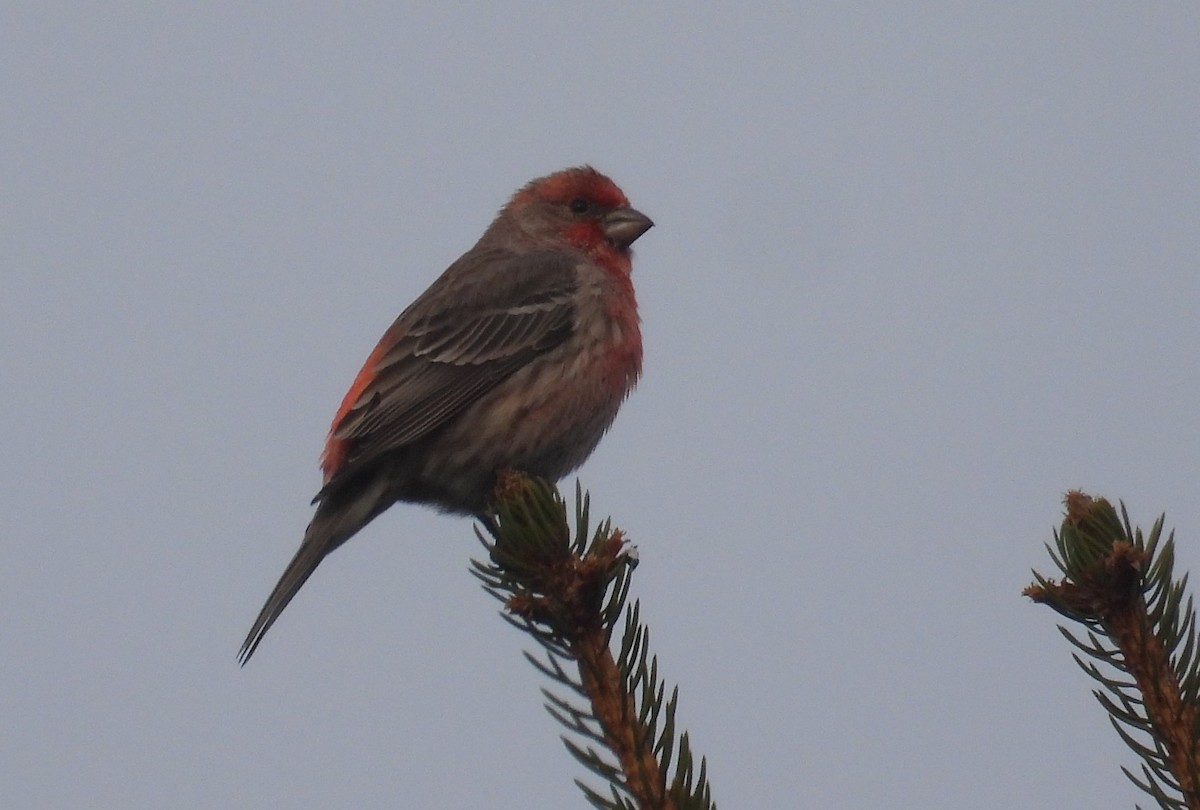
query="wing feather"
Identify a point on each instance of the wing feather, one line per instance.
(453, 345)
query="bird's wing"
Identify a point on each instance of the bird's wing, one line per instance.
(458, 340)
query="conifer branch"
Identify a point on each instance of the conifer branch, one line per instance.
(1119, 586)
(568, 592)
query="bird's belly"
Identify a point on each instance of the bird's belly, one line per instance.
(544, 420)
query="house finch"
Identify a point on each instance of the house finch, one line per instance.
(516, 358)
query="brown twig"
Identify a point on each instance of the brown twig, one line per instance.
(567, 590)
(1110, 591)
(572, 602)
(617, 714)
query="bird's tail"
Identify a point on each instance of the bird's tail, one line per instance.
(338, 517)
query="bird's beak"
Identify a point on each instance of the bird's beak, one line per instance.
(623, 226)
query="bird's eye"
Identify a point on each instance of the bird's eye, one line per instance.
(579, 205)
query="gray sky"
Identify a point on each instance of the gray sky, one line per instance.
(917, 271)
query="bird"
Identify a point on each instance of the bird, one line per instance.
(516, 358)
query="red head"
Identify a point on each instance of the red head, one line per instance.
(582, 207)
